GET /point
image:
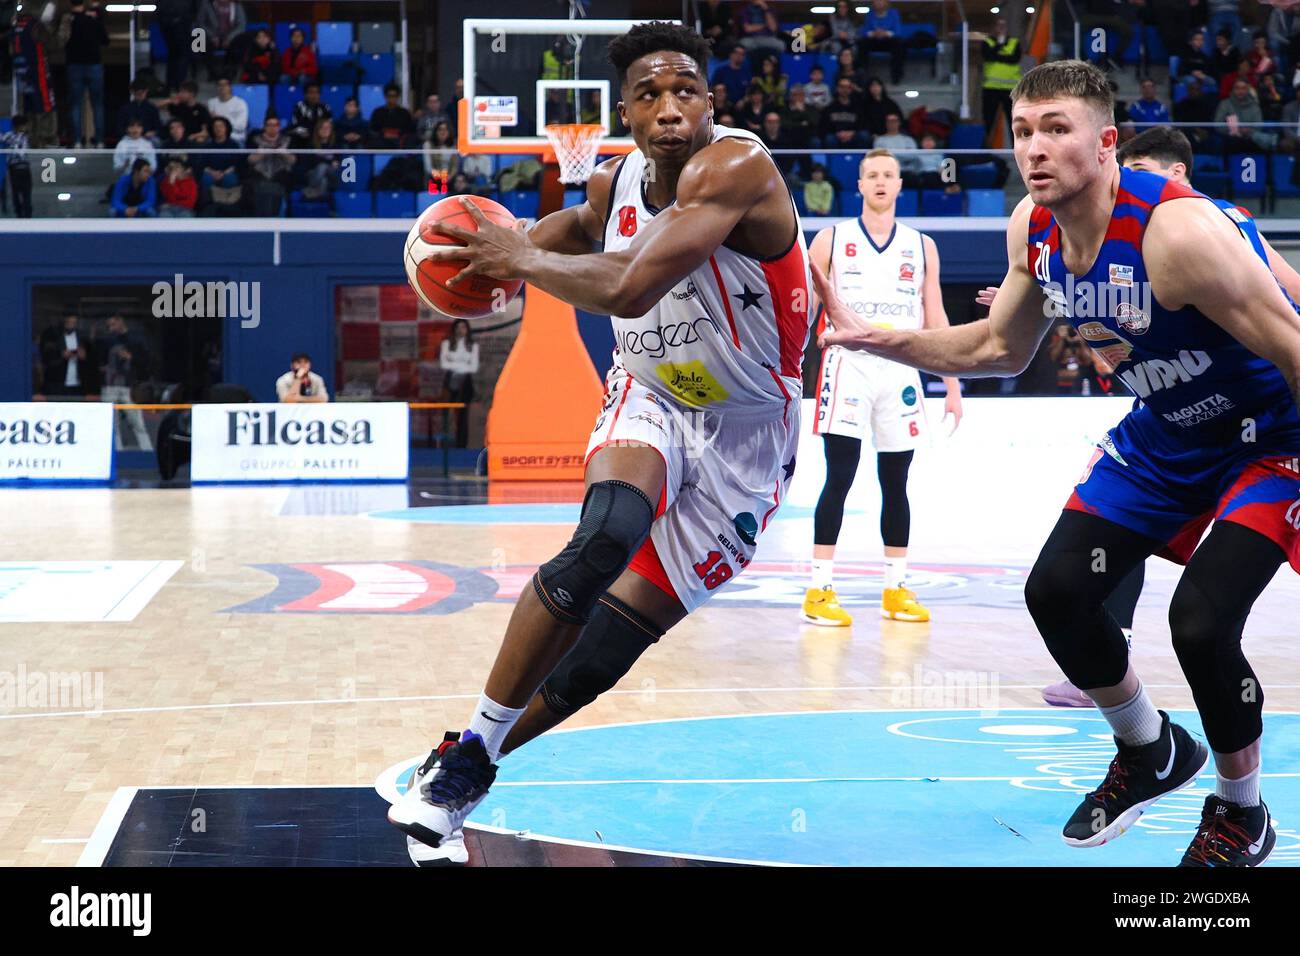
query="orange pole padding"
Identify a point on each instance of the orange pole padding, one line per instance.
(1040, 34)
(546, 399)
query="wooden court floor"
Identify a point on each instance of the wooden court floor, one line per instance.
(197, 694)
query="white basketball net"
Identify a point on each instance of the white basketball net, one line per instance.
(575, 145)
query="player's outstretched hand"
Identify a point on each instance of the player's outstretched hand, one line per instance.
(850, 331)
(493, 250)
(952, 406)
(986, 296)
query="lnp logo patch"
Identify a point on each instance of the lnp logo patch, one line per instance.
(691, 382)
(747, 527)
(909, 395)
(1121, 275)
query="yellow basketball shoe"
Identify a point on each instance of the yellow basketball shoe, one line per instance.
(821, 606)
(900, 604)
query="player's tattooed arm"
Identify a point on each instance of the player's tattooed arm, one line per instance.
(1001, 345)
(1196, 257)
(578, 229)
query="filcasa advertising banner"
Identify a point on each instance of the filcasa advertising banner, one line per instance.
(56, 441)
(348, 441)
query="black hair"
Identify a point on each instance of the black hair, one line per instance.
(469, 332)
(300, 357)
(139, 164)
(189, 86)
(1164, 144)
(351, 99)
(312, 85)
(392, 88)
(20, 121)
(653, 37)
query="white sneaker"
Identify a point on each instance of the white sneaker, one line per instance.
(444, 791)
(450, 852)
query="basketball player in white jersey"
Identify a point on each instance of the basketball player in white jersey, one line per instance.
(705, 275)
(888, 273)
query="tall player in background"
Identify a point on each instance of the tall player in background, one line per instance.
(705, 276)
(888, 273)
(1211, 344)
(1165, 151)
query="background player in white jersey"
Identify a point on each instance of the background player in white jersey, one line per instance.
(705, 274)
(888, 273)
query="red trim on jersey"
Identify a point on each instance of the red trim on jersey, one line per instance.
(1245, 212)
(660, 508)
(1126, 198)
(647, 564)
(785, 392)
(1172, 190)
(726, 300)
(617, 411)
(1126, 229)
(777, 489)
(787, 284)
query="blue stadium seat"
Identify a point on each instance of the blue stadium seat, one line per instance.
(364, 169)
(986, 202)
(377, 68)
(339, 71)
(300, 208)
(286, 98)
(523, 203)
(843, 170)
(909, 203)
(370, 98)
(1180, 91)
(424, 200)
(1211, 182)
(850, 203)
(910, 30)
(978, 176)
(6, 125)
(380, 161)
(1249, 174)
(966, 136)
(334, 97)
(1207, 162)
(395, 205)
(799, 204)
(282, 31)
(1283, 165)
(353, 205)
(376, 37)
(574, 197)
(257, 98)
(157, 45)
(936, 202)
(334, 39)
(797, 66)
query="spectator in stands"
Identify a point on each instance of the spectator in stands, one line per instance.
(430, 117)
(175, 145)
(125, 360)
(131, 147)
(847, 65)
(876, 105)
(175, 19)
(773, 137)
(1072, 357)
(221, 21)
(441, 160)
(1196, 61)
(816, 90)
(307, 112)
(18, 166)
(233, 108)
(477, 167)
(881, 31)
(1001, 66)
(391, 124)
(140, 109)
(772, 81)
(1116, 17)
(1225, 57)
(1289, 134)
(800, 121)
(261, 65)
(321, 170)
(901, 145)
(930, 167)
(458, 357)
(179, 191)
(186, 107)
(1260, 57)
(759, 29)
(735, 74)
(1243, 73)
(716, 24)
(750, 113)
(721, 98)
(1147, 110)
(67, 358)
(725, 119)
(135, 196)
(842, 120)
(84, 38)
(270, 168)
(460, 186)
(298, 63)
(300, 383)
(352, 129)
(219, 164)
(841, 29)
(818, 193)
(1284, 35)
(1271, 101)
(1196, 107)
(1224, 16)
(1242, 114)
(29, 41)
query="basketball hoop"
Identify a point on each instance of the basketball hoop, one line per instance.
(575, 146)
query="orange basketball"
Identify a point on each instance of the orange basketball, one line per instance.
(477, 295)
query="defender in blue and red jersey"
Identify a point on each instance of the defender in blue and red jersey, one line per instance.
(1168, 290)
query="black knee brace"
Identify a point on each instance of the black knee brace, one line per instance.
(606, 650)
(616, 519)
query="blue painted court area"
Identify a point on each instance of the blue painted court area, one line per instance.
(871, 788)
(543, 513)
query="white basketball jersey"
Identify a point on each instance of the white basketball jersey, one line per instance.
(728, 337)
(880, 283)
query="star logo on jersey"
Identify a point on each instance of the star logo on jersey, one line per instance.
(788, 468)
(627, 221)
(748, 297)
(691, 382)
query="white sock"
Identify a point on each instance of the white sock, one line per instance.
(823, 573)
(895, 572)
(1136, 721)
(492, 722)
(1243, 791)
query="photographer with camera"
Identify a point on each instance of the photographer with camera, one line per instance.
(300, 383)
